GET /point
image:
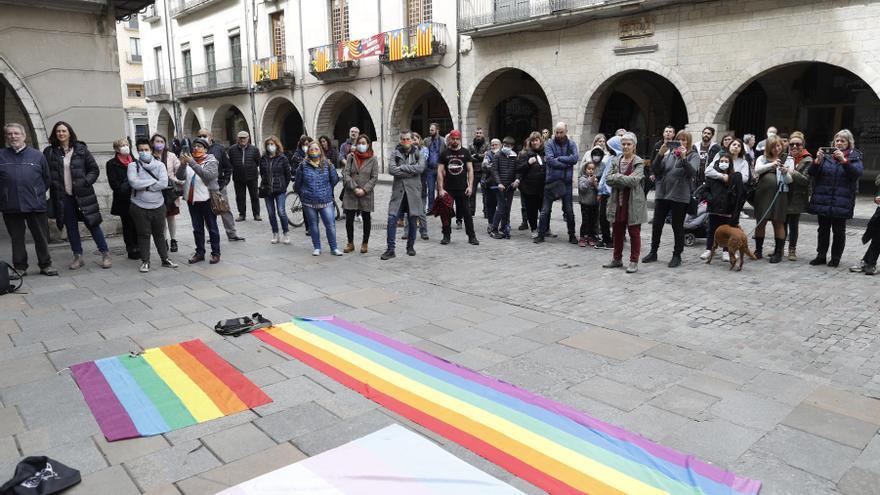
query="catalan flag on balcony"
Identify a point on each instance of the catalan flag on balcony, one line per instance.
(395, 45)
(321, 59)
(423, 40)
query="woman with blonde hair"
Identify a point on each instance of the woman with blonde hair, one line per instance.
(315, 180)
(679, 163)
(274, 179)
(773, 169)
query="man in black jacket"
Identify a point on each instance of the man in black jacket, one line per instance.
(219, 153)
(245, 159)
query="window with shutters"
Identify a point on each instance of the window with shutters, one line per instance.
(338, 20)
(418, 11)
(278, 42)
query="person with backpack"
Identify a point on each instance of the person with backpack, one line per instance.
(147, 177)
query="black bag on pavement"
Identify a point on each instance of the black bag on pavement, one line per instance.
(39, 475)
(238, 326)
(5, 286)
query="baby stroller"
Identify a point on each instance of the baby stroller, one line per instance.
(696, 225)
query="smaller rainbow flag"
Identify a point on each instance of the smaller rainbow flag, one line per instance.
(163, 389)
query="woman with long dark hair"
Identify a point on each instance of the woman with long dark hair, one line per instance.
(74, 171)
(773, 169)
(531, 173)
(159, 147)
(359, 179)
(330, 152)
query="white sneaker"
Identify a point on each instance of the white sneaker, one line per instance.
(316, 252)
(167, 263)
(743, 214)
(145, 267)
(275, 239)
(337, 252)
(534, 234)
(285, 239)
(706, 254)
(725, 256)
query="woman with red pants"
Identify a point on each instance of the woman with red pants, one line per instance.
(626, 210)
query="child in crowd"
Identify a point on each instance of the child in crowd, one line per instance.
(723, 192)
(588, 186)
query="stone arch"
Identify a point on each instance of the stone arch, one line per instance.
(191, 124)
(405, 96)
(588, 106)
(277, 117)
(719, 110)
(332, 105)
(165, 124)
(488, 76)
(220, 124)
(37, 129)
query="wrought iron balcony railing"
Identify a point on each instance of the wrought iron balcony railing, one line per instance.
(270, 69)
(230, 79)
(423, 40)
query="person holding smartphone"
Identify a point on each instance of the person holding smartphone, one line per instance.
(835, 174)
(773, 169)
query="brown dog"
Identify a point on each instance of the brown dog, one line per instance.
(735, 240)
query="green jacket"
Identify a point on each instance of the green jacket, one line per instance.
(638, 204)
(799, 189)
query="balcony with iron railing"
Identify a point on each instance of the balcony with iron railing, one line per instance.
(212, 83)
(415, 47)
(274, 72)
(327, 63)
(181, 8)
(478, 18)
(151, 14)
(157, 90)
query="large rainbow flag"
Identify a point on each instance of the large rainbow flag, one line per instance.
(162, 389)
(546, 443)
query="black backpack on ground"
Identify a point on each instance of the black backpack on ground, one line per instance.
(40, 475)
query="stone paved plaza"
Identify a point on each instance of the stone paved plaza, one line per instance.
(771, 373)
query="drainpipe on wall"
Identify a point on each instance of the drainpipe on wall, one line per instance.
(172, 73)
(255, 138)
(381, 103)
(458, 65)
(302, 71)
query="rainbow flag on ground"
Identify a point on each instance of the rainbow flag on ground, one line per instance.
(163, 389)
(546, 443)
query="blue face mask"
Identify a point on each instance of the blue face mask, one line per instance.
(145, 156)
(362, 148)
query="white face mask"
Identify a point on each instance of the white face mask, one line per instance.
(271, 149)
(362, 148)
(146, 156)
(505, 149)
(124, 150)
(722, 166)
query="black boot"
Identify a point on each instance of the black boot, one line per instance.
(446, 238)
(650, 257)
(776, 257)
(759, 247)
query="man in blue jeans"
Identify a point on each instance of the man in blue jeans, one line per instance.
(406, 166)
(436, 144)
(560, 155)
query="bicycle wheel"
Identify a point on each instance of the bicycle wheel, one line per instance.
(296, 216)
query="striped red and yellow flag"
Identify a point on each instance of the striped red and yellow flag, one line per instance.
(423, 40)
(395, 45)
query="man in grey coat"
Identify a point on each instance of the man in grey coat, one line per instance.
(406, 166)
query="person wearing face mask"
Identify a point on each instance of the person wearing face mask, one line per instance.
(147, 177)
(436, 145)
(225, 176)
(478, 149)
(588, 189)
(117, 179)
(504, 176)
(724, 190)
(601, 157)
(274, 179)
(406, 166)
(297, 158)
(359, 179)
(74, 173)
(245, 159)
(199, 173)
(490, 199)
(315, 180)
(172, 163)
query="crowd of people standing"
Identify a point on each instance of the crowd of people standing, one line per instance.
(438, 175)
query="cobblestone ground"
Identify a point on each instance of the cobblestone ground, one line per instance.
(771, 372)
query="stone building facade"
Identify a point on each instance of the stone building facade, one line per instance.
(511, 66)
